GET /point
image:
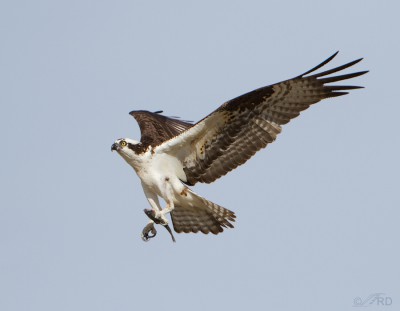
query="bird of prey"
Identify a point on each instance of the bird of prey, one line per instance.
(173, 154)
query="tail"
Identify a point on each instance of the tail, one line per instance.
(193, 214)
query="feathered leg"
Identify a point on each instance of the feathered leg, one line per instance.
(156, 215)
(155, 204)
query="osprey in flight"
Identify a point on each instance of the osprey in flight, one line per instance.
(173, 154)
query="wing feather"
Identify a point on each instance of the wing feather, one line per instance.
(156, 128)
(234, 132)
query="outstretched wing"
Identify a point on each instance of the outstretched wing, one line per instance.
(234, 132)
(156, 128)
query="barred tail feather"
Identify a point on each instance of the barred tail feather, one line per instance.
(194, 214)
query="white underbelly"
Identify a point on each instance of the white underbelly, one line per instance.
(160, 170)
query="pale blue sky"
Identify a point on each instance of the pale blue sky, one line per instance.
(318, 210)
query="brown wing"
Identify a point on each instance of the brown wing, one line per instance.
(156, 128)
(233, 133)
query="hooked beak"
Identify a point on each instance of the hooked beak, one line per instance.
(114, 147)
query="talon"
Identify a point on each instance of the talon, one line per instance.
(159, 220)
(152, 215)
(146, 230)
(163, 221)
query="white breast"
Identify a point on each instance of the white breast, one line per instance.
(153, 169)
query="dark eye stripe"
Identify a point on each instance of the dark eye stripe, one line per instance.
(137, 148)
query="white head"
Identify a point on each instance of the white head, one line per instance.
(127, 148)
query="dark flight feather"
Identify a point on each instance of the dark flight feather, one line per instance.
(156, 128)
(235, 131)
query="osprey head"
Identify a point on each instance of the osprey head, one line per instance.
(126, 147)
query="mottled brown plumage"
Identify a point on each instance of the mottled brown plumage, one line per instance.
(156, 128)
(232, 134)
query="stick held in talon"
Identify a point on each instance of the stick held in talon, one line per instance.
(170, 232)
(151, 214)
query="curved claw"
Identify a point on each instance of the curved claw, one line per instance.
(146, 230)
(151, 214)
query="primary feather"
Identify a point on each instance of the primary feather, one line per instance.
(234, 132)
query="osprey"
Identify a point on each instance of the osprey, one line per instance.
(173, 154)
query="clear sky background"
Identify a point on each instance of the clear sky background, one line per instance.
(318, 210)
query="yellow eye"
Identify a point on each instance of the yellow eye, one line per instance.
(123, 143)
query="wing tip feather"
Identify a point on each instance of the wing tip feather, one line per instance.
(320, 65)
